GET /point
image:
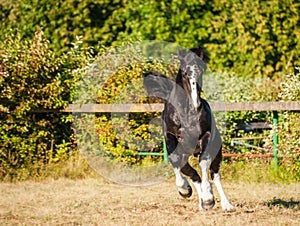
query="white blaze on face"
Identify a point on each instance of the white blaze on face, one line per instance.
(193, 84)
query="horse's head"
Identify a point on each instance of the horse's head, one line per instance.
(192, 67)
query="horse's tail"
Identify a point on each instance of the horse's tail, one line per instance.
(157, 84)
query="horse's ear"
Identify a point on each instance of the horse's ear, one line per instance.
(202, 53)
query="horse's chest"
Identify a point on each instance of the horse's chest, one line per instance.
(182, 122)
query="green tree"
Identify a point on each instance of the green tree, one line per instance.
(255, 37)
(251, 38)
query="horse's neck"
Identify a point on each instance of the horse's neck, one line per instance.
(180, 100)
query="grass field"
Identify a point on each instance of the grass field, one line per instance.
(96, 202)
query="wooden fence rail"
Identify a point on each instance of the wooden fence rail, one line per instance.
(216, 106)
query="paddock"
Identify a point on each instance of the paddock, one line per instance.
(96, 202)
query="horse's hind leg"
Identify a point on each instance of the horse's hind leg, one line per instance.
(216, 177)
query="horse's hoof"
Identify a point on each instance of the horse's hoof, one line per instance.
(187, 195)
(227, 206)
(208, 204)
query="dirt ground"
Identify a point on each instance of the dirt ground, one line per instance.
(97, 202)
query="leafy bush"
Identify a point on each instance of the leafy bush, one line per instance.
(32, 77)
(228, 87)
(121, 135)
(289, 144)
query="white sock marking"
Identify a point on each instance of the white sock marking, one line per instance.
(181, 182)
(197, 185)
(206, 188)
(225, 203)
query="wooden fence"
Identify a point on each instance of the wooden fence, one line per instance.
(238, 106)
(217, 107)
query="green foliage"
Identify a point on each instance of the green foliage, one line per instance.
(62, 21)
(228, 87)
(257, 171)
(256, 37)
(33, 77)
(122, 136)
(251, 38)
(289, 137)
(237, 89)
(115, 77)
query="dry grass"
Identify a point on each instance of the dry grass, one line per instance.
(96, 202)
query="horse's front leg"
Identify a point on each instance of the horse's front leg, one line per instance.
(206, 201)
(207, 197)
(183, 186)
(177, 159)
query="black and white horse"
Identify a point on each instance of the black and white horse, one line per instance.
(189, 127)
